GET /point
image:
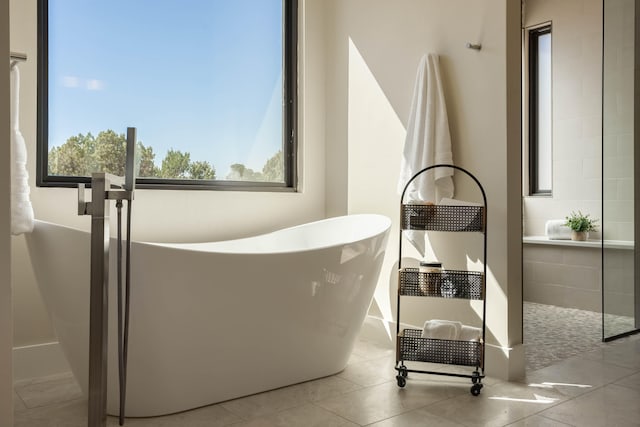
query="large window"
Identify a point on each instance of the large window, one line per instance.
(209, 84)
(540, 116)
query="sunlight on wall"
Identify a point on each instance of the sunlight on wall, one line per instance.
(373, 123)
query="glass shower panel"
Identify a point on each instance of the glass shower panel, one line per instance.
(619, 289)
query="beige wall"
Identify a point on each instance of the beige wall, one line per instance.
(576, 124)
(6, 390)
(375, 47)
(358, 67)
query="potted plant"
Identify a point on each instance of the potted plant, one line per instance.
(580, 225)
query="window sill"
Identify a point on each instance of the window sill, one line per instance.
(596, 244)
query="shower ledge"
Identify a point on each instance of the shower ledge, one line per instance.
(608, 244)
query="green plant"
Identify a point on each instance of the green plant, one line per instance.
(580, 222)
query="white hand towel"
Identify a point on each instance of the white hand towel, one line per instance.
(428, 142)
(21, 209)
(555, 229)
(470, 333)
(455, 202)
(441, 329)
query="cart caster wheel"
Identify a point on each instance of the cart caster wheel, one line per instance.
(402, 381)
(476, 377)
(403, 371)
(475, 389)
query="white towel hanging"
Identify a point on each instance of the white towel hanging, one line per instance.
(428, 142)
(22, 218)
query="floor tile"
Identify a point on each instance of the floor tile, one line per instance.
(48, 390)
(577, 375)
(324, 388)
(417, 417)
(497, 405)
(208, 416)
(309, 416)
(632, 381)
(611, 405)
(624, 354)
(370, 372)
(67, 414)
(266, 403)
(539, 421)
(379, 402)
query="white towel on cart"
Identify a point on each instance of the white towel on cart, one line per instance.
(441, 329)
(470, 333)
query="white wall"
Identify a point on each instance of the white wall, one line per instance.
(6, 389)
(577, 112)
(356, 96)
(173, 215)
(374, 49)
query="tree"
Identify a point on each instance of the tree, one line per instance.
(202, 170)
(74, 157)
(175, 164)
(240, 172)
(273, 169)
(148, 168)
(82, 155)
(110, 152)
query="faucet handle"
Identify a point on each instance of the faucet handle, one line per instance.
(84, 208)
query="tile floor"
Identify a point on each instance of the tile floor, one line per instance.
(552, 333)
(596, 388)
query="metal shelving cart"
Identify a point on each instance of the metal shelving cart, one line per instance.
(410, 345)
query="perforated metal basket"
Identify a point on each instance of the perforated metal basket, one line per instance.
(412, 347)
(442, 217)
(446, 284)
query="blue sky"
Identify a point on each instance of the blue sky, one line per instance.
(202, 76)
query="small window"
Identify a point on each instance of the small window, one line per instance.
(540, 116)
(210, 85)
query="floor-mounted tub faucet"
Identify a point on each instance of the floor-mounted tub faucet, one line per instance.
(105, 188)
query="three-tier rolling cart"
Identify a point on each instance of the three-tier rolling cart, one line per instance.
(446, 284)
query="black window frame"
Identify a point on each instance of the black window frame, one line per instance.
(290, 119)
(533, 36)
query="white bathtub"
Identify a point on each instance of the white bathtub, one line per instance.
(215, 321)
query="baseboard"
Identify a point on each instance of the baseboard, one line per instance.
(40, 360)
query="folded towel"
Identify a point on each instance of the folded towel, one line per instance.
(470, 333)
(441, 329)
(455, 202)
(555, 229)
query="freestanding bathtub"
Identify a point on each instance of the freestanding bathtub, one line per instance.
(214, 321)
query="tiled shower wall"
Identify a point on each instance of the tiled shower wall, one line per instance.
(563, 276)
(571, 277)
(617, 117)
(576, 103)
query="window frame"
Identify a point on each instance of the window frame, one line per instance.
(533, 35)
(290, 119)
